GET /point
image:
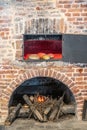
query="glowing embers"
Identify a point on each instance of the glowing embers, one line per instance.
(41, 99)
(42, 56)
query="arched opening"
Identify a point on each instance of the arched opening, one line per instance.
(44, 86)
(44, 97)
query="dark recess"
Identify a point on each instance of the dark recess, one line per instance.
(44, 86)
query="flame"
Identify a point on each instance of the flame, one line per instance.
(40, 99)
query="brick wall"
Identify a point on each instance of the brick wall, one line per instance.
(12, 75)
(39, 16)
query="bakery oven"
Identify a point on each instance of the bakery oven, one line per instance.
(42, 47)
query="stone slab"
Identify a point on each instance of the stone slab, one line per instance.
(25, 124)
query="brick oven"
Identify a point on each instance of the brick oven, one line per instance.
(43, 18)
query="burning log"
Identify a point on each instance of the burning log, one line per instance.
(13, 115)
(35, 112)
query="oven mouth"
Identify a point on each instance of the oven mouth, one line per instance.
(42, 47)
(45, 86)
(42, 99)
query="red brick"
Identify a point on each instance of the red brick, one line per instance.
(69, 82)
(21, 71)
(54, 74)
(1, 8)
(85, 9)
(79, 78)
(69, 74)
(37, 8)
(76, 23)
(31, 72)
(67, 6)
(76, 14)
(60, 6)
(70, 69)
(85, 78)
(79, 82)
(85, 19)
(40, 72)
(74, 10)
(2, 34)
(64, 1)
(71, 19)
(85, 70)
(79, 98)
(1, 21)
(84, 5)
(63, 10)
(75, 5)
(65, 79)
(83, 14)
(36, 73)
(9, 89)
(68, 14)
(46, 73)
(4, 29)
(78, 1)
(75, 90)
(7, 71)
(28, 74)
(80, 74)
(10, 76)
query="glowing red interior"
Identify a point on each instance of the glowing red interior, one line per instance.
(42, 46)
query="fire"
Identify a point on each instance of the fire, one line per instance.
(40, 99)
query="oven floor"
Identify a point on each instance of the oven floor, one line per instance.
(69, 124)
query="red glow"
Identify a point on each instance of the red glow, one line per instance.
(57, 56)
(51, 48)
(41, 99)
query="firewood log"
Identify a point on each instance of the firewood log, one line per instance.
(48, 109)
(25, 112)
(13, 115)
(60, 104)
(68, 109)
(33, 109)
(57, 108)
(25, 106)
(53, 114)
